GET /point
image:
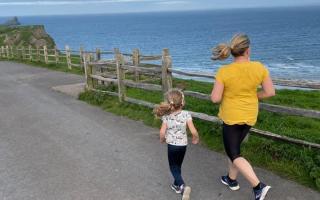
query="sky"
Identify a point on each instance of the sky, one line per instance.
(62, 7)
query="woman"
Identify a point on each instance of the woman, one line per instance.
(236, 88)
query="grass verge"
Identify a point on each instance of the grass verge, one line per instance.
(51, 66)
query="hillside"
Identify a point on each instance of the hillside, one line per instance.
(34, 35)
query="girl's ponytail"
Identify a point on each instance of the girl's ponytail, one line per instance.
(174, 101)
(162, 109)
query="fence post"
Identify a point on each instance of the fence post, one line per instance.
(68, 57)
(7, 51)
(56, 55)
(11, 52)
(2, 52)
(166, 76)
(37, 53)
(136, 62)
(93, 71)
(18, 52)
(98, 57)
(81, 54)
(23, 52)
(120, 75)
(98, 54)
(30, 53)
(87, 71)
(45, 53)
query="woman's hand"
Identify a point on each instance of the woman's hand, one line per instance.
(267, 89)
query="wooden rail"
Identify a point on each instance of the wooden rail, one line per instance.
(43, 54)
(280, 82)
(268, 107)
(214, 119)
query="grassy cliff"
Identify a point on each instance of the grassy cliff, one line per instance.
(34, 35)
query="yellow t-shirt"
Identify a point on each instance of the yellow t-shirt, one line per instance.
(240, 102)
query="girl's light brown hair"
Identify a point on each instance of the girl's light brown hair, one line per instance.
(237, 47)
(174, 101)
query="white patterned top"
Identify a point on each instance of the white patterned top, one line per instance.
(176, 133)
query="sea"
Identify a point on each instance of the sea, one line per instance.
(286, 40)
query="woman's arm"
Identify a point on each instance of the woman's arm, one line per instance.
(194, 132)
(267, 89)
(217, 91)
(163, 132)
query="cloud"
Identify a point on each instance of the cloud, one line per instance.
(170, 2)
(68, 2)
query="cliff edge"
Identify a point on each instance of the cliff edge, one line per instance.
(17, 35)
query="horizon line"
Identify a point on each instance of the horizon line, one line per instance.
(170, 11)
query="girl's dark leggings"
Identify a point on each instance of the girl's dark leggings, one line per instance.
(175, 157)
(233, 135)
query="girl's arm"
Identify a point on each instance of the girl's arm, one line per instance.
(217, 91)
(163, 132)
(267, 89)
(194, 132)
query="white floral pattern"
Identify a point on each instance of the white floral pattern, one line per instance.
(176, 133)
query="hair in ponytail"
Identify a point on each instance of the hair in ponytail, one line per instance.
(174, 101)
(163, 109)
(237, 47)
(221, 52)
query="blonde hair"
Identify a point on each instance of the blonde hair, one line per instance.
(174, 101)
(238, 45)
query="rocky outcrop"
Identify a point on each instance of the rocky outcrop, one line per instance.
(12, 22)
(36, 36)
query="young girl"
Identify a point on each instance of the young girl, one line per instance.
(173, 132)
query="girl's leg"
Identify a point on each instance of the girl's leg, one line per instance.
(175, 157)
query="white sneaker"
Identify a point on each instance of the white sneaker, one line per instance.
(186, 193)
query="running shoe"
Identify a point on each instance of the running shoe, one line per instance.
(232, 184)
(261, 193)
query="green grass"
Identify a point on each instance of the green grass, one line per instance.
(297, 98)
(51, 66)
(290, 161)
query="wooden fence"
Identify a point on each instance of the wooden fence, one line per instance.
(67, 56)
(123, 65)
(130, 65)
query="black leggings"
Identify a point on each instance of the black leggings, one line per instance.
(233, 135)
